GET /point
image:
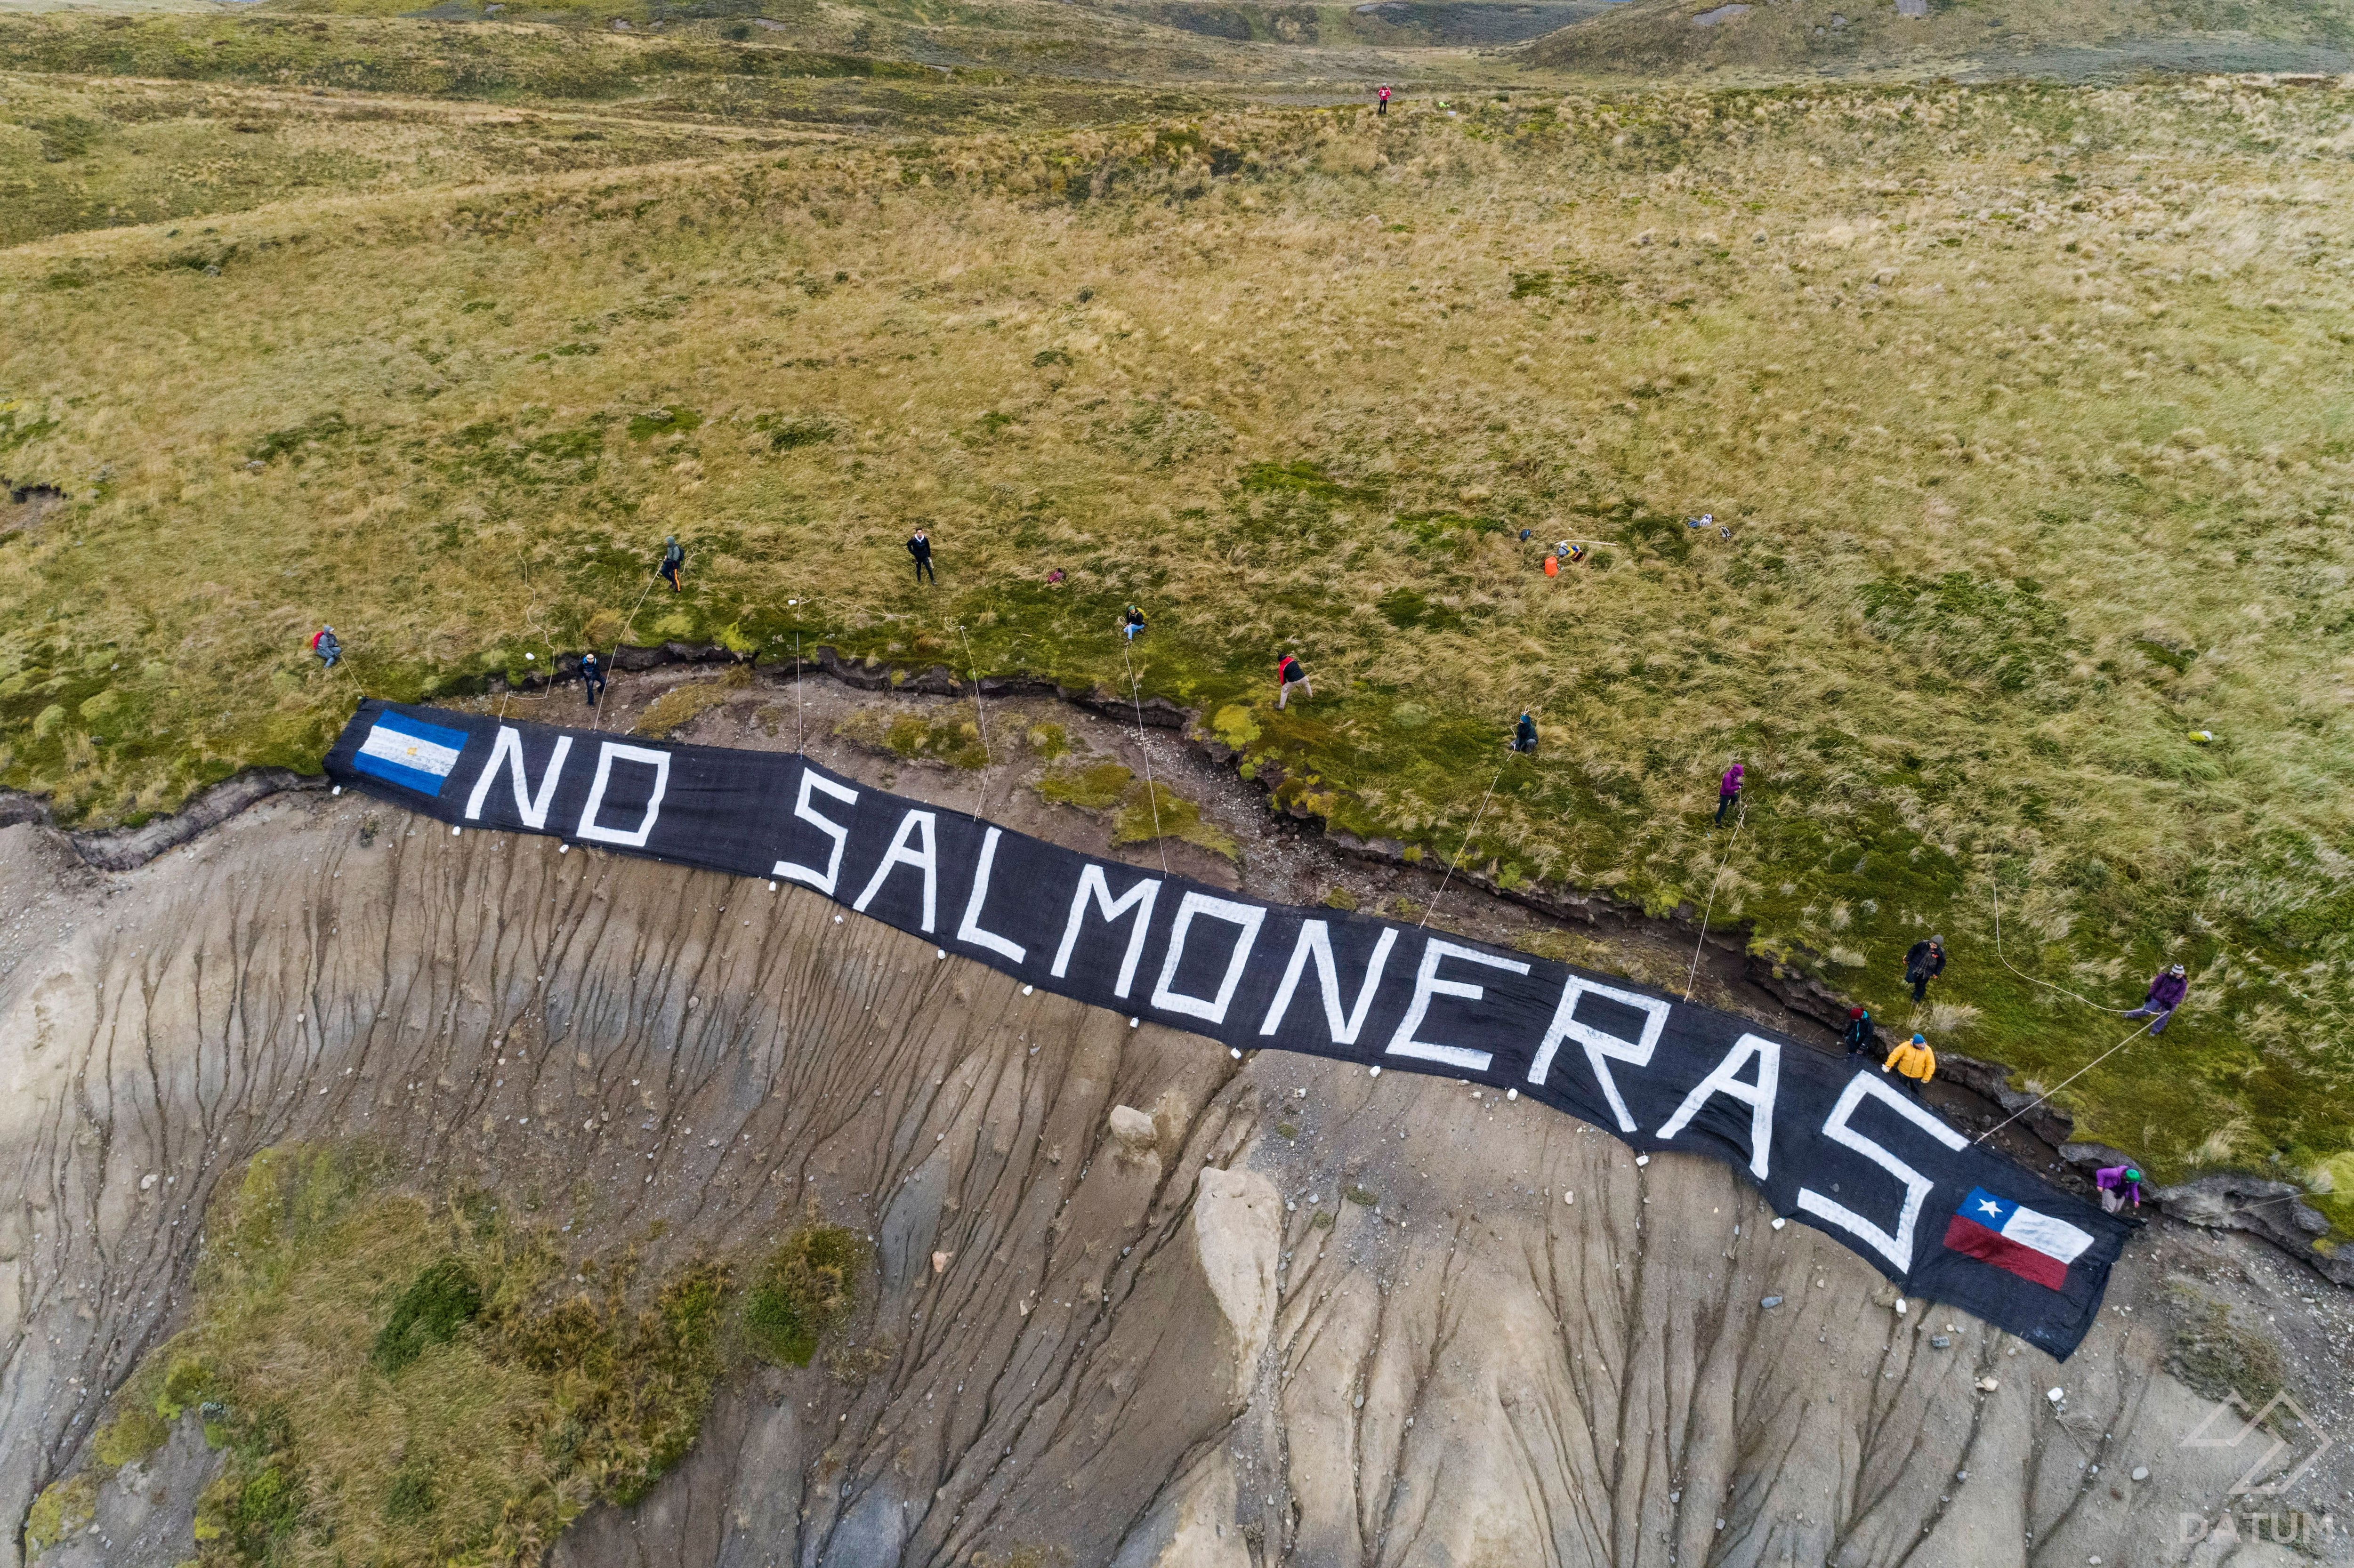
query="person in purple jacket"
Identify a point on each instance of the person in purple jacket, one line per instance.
(2114, 1182)
(2166, 994)
(1728, 791)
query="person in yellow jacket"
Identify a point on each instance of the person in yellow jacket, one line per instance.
(1914, 1062)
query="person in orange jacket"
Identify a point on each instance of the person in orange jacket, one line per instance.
(1913, 1063)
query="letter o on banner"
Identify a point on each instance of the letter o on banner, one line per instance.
(635, 838)
(1246, 917)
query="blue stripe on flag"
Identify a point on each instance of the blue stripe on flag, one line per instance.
(415, 778)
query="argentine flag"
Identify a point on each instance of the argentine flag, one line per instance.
(409, 752)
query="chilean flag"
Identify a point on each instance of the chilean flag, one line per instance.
(2010, 1235)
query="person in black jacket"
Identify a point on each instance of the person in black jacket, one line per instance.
(1923, 962)
(592, 676)
(1861, 1038)
(920, 546)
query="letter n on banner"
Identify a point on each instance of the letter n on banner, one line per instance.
(531, 808)
(1896, 1248)
(1316, 941)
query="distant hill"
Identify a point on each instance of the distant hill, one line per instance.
(2072, 39)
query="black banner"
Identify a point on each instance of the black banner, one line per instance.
(1842, 1148)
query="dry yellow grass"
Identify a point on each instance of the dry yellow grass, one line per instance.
(2025, 411)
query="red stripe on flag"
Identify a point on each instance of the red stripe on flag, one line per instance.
(1974, 1240)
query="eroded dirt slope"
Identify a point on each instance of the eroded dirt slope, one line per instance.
(1142, 1302)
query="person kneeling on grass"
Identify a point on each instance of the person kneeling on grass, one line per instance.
(2166, 994)
(1914, 1062)
(1524, 737)
(2113, 1180)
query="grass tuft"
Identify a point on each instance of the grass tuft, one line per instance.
(806, 1290)
(397, 1380)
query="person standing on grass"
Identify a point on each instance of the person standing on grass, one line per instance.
(592, 676)
(1914, 1062)
(674, 562)
(2113, 1182)
(1290, 672)
(1381, 101)
(920, 546)
(1924, 961)
(1728, 791)
(1861, 1039)
(2166, 993)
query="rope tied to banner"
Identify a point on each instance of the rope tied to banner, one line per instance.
(1739, 817)
(1151, 791)
(2063, 1083)
(1467, 832)
(597, 722)
(980, 720)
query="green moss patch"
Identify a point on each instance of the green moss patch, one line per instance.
(1091, 787)
(401, 1378)
(806, 1290)
(1156, 812)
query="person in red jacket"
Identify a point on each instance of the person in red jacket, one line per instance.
(1381, 103)
(1288, 672)
(2166, 993)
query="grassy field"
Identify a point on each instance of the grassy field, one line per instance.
(2025, 412)
(1772, 39)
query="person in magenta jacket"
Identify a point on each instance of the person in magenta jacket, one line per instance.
(2166, 993)
(1728, 791)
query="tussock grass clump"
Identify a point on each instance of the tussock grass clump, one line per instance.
(806, 1290)
(676, 707)
(1093, 787)
(394, 1379)
(951, 739)
(440, 1300)
(1153, 812)
(2218, 1358)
